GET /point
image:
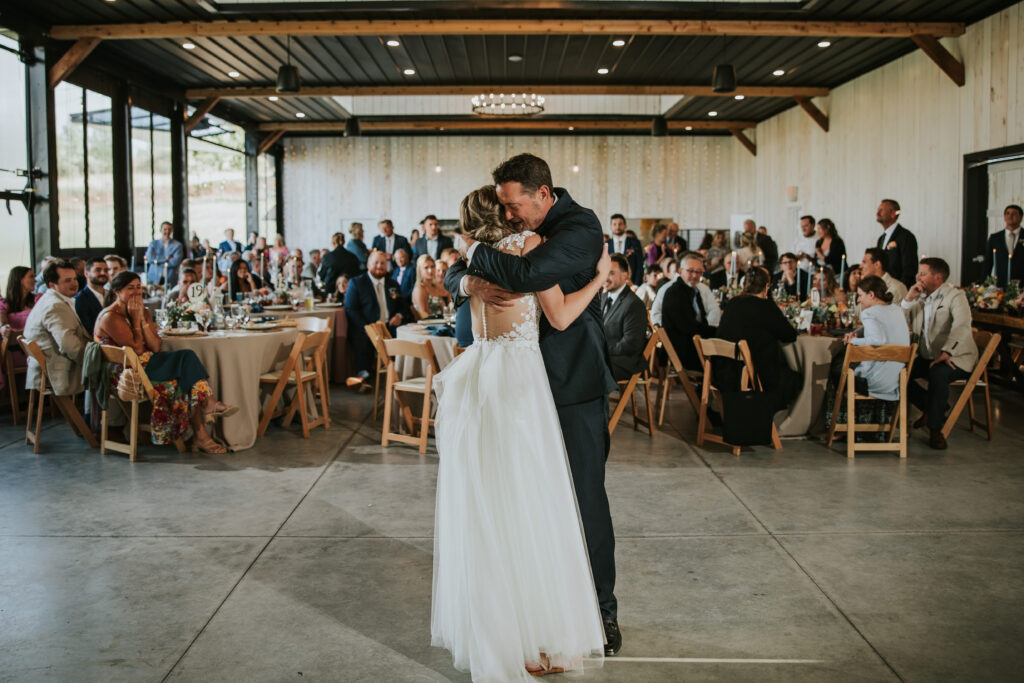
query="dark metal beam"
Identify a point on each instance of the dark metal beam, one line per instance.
(121, 132)
(179, 173)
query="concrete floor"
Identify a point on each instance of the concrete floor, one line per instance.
(311, 560)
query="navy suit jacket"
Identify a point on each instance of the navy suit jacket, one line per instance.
(997, 244)
(421, 247)
(361, 301)
(406, 279)
(88, 308)
(902, 255)
(635, 255)
(380, 244)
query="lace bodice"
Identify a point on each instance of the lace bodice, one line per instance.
(518, 323)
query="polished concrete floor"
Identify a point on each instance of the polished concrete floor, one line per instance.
(311, 560)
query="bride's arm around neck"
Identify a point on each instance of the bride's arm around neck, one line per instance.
(561, 309)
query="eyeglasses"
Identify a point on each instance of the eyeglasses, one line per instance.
(691, 271)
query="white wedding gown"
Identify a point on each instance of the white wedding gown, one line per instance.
(511, 573)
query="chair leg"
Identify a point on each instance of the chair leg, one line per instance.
(103, 432)
(903, 423)
(12, 387)
(650, 409)
(300, 396)
(425, 422)
(376, 390)
(970, 413)
(28, 421)
(663, 390)
(851, 420)
(389, 395)
(133, 435)
(988, 411)
(271, 408)
(67, 407)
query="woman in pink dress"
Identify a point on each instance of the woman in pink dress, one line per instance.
(14, 310)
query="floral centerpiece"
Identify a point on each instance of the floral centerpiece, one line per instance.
(992, 299)
(820, 314)
(178, 313)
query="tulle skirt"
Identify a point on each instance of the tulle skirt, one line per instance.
(511, 574)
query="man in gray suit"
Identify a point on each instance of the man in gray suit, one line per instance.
(625, 322)
(54, 325)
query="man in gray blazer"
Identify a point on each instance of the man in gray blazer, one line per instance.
(625, 322)
(54, 325)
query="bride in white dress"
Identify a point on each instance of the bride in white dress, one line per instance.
(513, 593)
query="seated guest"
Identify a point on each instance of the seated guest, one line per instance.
(292, 270)
(829, 249)
(1003, 244)
(786, 278)
(404, 274)
(184, 400)
(429, 297)
(940, 319)
(89, 301)
(337, 262)
(625, 322)
(186, 277)
(670, 269)
(372, 297)
(657, 249)
(195, 247)
(758, 320)
(630, 247)
(649, 289)
(832, 292)
(279, 252)
(14, 309)
(876, 263)
(229, 243)
(241, 283)
(882, 322)
(676, 243)
(685, 309)
(54, 325)
(250, 243)
(356, 246)
(41, 287)
(449, 256)
(692, 273)
(78, 263)
(413, 236)
(851, 279)
(115, 264)
(164, 254)
(312, 267)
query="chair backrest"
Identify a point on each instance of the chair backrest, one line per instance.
(126, 356)
(888, 352)
(32, 350)
(421, 350)
(310, 323)
(670, 351)
(373, 331)
(720, 348)
(314, 340)
(652, 343)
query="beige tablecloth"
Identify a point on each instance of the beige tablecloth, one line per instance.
(811, 357)
(338, 357)
(235, 361)
(444, 350)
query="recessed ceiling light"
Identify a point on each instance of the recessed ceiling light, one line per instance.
(618, 43)
(393, 43)
(189, 46)
(438, 169)
(602, 71)
(779, 72)
(234, 74)
(300, 115)
(441, 128)
(409, 72)
(514, 57)
(273, 98)
(688, 128)
(824, 43)
(712, 113)
(739, 97)
(572, 127)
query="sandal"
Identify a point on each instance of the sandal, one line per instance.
(208, 445)
(544, 668)
(220, 411)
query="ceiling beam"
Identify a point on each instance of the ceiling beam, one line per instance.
(458, 89)
(820, 117)
(71, 59)
(744, 140)
(204, 108)
(268, 142)
(499, 124)
(400, 27)
(949, 64)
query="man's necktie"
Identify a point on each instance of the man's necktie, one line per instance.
(698, 306)
(607, 305)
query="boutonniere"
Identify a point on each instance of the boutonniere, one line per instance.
(629, 252)
(393, 292)
(891, 245)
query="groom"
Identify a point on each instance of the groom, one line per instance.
(576, 358)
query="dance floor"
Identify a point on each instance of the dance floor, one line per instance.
(311, 560)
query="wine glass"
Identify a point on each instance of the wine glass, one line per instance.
(203, 318)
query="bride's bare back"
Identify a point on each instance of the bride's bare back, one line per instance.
(518, 322)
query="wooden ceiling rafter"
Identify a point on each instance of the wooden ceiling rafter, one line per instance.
(820, 117)
(71, 60)
(268, 142)
(444, 125)
(744, 140)
(204, 108)
(937, 52)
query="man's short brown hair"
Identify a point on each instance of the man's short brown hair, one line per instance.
(526, 169)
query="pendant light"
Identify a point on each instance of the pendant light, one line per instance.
(288, 75)
(352, 127)
(659, 127)
(724, 77)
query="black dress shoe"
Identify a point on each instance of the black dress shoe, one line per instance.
(921, 421)
(613, 636)
(937, 440)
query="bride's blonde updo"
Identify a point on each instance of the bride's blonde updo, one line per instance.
(482, 217)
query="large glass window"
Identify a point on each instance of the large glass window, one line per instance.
(85, 167)
(13, 157)
(266, 180)
(151, 174)
(216, 180)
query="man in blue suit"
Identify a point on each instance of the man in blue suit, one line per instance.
(432, 242)
(229, 244)
(404, 273)
(388, 242)
(1003, 243)
(89, 300)
(372, 297)
(630, 247)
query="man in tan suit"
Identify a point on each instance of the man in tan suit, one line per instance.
(54, 325)
(940, 321)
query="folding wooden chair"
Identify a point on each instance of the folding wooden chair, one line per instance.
(712, 348)
(987, 343)
(37, 396)
(378, 332)
(126, 357)
(294, 374)
(674, 372)
(627, 392)
(312, 323)
(11, 373)
(857, 354)
(423, 386)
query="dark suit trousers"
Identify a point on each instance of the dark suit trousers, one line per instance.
(585, 430)
(935, 399)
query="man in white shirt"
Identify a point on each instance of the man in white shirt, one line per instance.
(804, 246)
(432, 242)
(630, 247)
(90, 301)
(1004, 257)
(874, 263)
(388, 242)
(691, 275)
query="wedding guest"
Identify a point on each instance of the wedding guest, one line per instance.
(78, 263)
(90, 300)
(404, 273)
(433, 242)
(292, 271)
(758, 320)
(1003, 243)
(852, 278)
(240, 281)
(250, 243)
(337, 263)
(670, 268)
(115, 264)
(657, 250)
(279, 252)
(829, 249)
(388, 242)
(184, 400)
(229, 244)
(630, 247)
(715, 259)
(899, 243)
(429, 297)
(186, 276)
(15, 307)
(356, 246)
(625, 322)
(882, 322)
(260, 248)
(940, 319)
(163, 254)
(705, 243)
(54, 326)
(749, 254)
(672, 239)
(682, 308)
(833, 293)
(340, 289)
(195, 247)
(875, 263)
(649, 289)
(786, 278)
(806, 244)
(448, 256)
(310, 270)
(371, 297)
(766, 245)
(413, 237)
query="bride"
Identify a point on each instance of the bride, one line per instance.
(513, 593)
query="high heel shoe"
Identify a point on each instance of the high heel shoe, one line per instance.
(221, 411)
(208, 445)
(544, 668)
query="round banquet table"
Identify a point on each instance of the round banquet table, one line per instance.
(338, 357)
(444, 350)
(811, 356)
(235, 360)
